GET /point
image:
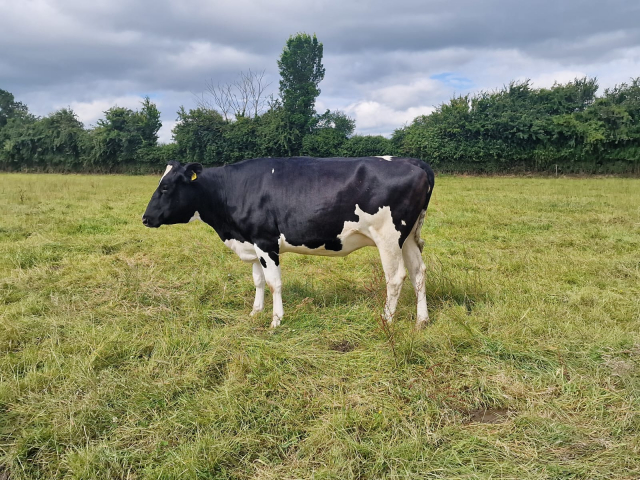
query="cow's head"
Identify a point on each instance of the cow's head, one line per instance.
(174, 201)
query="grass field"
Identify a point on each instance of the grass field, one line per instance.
(127, 352)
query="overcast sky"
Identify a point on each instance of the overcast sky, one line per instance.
(386, 62)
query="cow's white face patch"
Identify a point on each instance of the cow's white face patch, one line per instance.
(403, 222)
(167, 170)
(385, 157)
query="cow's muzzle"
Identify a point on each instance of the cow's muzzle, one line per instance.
(148, 223)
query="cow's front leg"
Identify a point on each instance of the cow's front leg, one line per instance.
(271, 270)
(258, 280)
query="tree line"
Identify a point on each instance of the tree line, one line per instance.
(520, 128)
(513, 129)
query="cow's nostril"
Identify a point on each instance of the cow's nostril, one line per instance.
(145, 221)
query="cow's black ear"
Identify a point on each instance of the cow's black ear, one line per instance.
(192, 170)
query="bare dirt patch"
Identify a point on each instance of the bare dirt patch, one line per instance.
(488, 415)
(342, 346)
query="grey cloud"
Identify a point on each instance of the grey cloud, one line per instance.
(606, 46)
(63, 51)
(382, 25)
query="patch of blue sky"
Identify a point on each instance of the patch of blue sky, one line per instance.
(454, 80)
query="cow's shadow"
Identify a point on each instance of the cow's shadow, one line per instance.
(459, 288)
(326, 293)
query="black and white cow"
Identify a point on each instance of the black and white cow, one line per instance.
(263, 207)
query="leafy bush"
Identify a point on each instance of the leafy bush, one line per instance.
(367, 145)
(521, 128)
(517, 128)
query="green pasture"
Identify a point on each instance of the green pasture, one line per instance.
(129, 353)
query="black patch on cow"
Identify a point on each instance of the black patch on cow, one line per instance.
(264, 264)
(275, 257)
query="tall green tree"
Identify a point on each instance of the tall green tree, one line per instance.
(274, 134)
(150, 123)
(301, 71)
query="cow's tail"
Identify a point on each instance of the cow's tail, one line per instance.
(418, 229)
(431, 183)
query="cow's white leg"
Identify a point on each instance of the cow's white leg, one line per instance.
(273, 279)
(258, 280)
(394, 272)
(413, 260)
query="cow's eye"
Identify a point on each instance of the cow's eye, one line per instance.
(164, 190)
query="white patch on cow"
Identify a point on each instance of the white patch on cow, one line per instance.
(403, 222)
(273, 170)
(354, 235)
(244, 250)
(351, 240)
(196, 216)
(385, 157)
(380, 224)
(167, 170)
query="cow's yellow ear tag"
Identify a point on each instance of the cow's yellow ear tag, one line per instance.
(193, 176)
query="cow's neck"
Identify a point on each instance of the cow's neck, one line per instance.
(210, 203)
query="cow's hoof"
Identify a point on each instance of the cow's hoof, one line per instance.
(422, 323)
(254, 312)
(275, 323)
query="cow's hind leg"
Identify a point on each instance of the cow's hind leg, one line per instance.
(273, 278)
(394, 272)
(413, 260)
(259, 281)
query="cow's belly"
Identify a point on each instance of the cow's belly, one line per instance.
(350, 242)
(354, 235)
